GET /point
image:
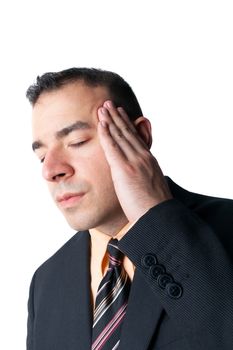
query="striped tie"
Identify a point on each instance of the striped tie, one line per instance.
(111, 302)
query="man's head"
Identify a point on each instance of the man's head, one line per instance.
(119, 90)
(65, 139)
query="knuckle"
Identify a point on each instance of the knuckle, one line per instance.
(130, 169)
(127, 130)
(114, 144)
(120, 135)
(147, 155)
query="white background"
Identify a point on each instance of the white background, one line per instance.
(177, 55)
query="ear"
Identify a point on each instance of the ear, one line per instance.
(143, 127)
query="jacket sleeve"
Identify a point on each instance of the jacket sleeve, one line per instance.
(30, 321)
(183, 260)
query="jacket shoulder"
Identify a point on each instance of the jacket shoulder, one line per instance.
(216, 212)
(62, 254)
(201, 203)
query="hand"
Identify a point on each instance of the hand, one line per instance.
(138, 180)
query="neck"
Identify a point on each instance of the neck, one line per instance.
(113, 228)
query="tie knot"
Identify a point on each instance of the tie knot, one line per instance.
(115, 255)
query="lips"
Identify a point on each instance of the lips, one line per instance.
(69, 199)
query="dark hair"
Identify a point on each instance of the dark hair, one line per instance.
(120, 91)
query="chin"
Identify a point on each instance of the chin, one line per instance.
(88, 219)
(81, 225)
(78, 226)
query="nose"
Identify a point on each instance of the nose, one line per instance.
(56, 167)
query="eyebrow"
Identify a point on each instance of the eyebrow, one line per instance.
(79, 125)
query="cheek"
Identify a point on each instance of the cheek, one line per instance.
(96, 160)
(97, 169)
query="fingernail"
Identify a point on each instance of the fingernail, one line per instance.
(103, 123)
(103, 110)
(120, 109)
(109, 104)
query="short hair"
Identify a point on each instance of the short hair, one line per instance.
(120, 91)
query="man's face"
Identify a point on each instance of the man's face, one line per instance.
(65, 139)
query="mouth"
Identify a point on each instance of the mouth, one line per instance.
(68, 200)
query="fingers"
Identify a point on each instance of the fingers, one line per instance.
(112, 140)
(120, 117)
(121, 130)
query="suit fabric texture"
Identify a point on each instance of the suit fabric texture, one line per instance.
(181, 296)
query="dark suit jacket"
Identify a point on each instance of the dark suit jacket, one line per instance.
(182, 293)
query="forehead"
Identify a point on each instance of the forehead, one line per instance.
(64, 106)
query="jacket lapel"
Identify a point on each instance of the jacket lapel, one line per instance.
(80, 301)
(142, 317)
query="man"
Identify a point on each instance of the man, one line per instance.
(93, 142)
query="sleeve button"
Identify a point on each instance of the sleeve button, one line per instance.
(164, 279)
(174, 290)
(148, 260)
(157, 270)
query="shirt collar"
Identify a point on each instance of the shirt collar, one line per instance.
(97, 235)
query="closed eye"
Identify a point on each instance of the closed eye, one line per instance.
(77, 144)
(74, 145)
